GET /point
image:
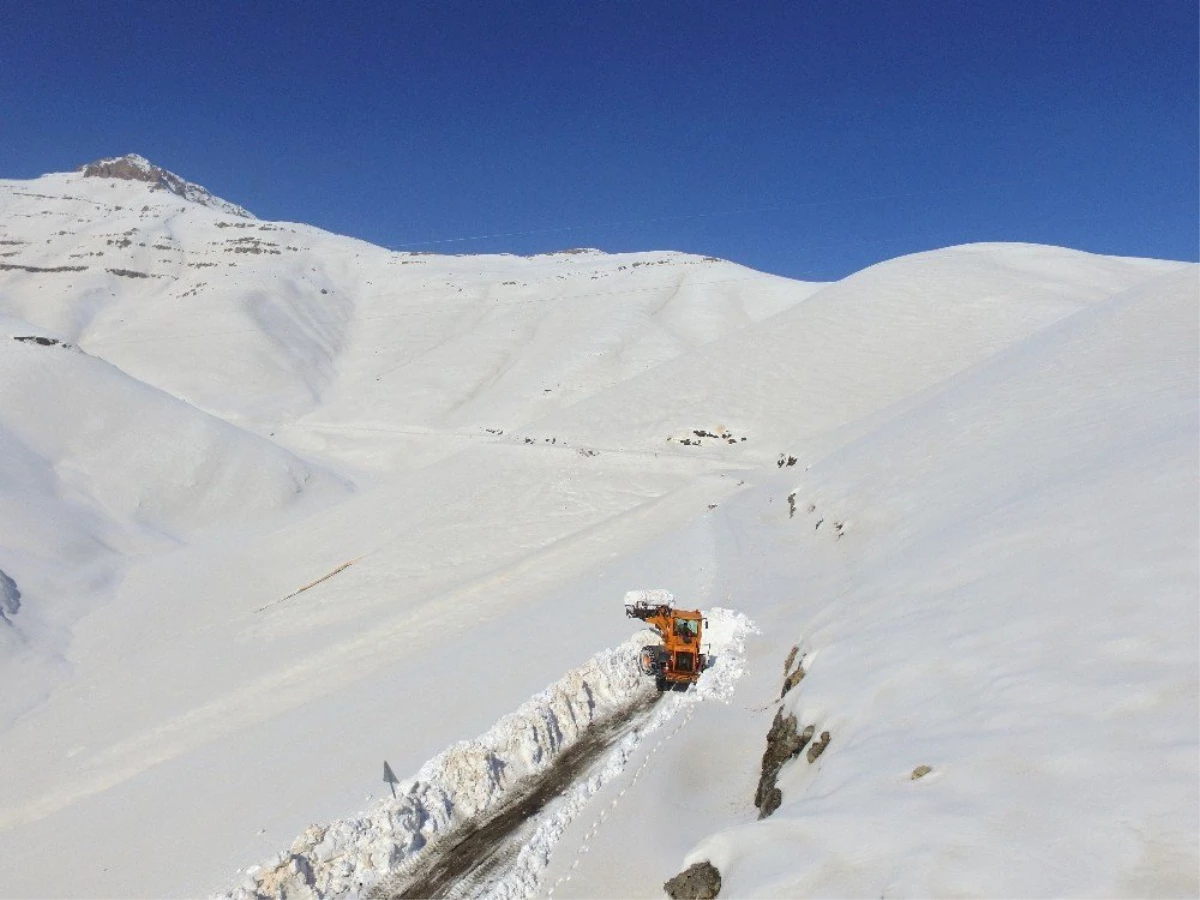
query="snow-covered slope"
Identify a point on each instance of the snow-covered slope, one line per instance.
(97, 468)
(346, 333)
(291, 504)
(1001, 585)
(857, 347)
(153, 518)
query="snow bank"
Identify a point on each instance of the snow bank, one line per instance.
(474, 777)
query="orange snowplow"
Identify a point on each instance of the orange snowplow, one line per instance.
(677, 661)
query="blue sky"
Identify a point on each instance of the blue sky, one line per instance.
(808, 138)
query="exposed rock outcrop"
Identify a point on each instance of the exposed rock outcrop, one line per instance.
(818, 746)
(783, 743)
(793, 677)
(699, 881)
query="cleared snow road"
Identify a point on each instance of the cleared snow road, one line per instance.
(483, 817)
(480, 852)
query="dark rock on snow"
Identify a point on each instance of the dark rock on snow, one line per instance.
(783, 743)
(700, 881)
(10, 598)
(818, 746)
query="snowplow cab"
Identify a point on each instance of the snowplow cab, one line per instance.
(677, 662)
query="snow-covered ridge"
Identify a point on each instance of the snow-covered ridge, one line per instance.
(133, 167)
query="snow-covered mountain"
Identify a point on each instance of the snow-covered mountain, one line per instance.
(137, 168)
(278, 505)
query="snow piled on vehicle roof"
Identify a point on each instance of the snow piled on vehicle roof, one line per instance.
(652, 597)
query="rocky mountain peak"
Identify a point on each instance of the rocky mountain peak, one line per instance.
(133, 167)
